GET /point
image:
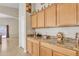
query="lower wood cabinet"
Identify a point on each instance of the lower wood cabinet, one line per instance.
(45, 51)
(57, 54)
(77, 54)
(35, 48)
(40, 48)
(29, 47)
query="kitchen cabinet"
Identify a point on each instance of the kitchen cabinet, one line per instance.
(40, 18)
(39, 47)
(66, 14)
(57, 54)
(77, 14)
(77, 53)
(35, 48)
(62, 51)
(29, 46)
(50, 16)
(44, 51)
(34, 21)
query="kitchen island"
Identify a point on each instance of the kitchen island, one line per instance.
(38, 46)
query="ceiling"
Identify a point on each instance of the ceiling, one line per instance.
(12, 5)
(5, 16)
(9, 10)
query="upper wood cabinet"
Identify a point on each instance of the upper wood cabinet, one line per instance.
(40, 18)
(66, 14)
(78, 14)
(34, 20)
(50, 16)
(57, 15)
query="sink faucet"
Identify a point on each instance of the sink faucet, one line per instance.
(60, 37)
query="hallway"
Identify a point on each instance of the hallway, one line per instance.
(10, 47)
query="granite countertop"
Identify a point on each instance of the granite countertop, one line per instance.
(67, 43)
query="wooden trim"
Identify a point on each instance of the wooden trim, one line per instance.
(37, 21)
(44, 19)
(76, 14)
(31, 21)
(57, 26)
(56, 13)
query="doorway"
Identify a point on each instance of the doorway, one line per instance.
(4, 30)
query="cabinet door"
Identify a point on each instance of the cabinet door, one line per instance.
(34, 21)
(45, 51)
(29, 47)
(40, 19)
(66, 14)
(35, 49)
(57, 54)
(78, 14)
(50, 16)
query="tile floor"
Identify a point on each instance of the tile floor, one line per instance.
(10, 47)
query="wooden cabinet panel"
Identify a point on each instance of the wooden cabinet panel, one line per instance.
(33, 46)
(40, 18)
(34, 21)
(57, 54)
(29, 47)
(36, 48)
(78, 14)
(45, 51)
(59, 49)
(77, 54)
(50, 16)
(66, 14)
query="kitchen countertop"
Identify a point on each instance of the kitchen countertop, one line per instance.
(68, 43)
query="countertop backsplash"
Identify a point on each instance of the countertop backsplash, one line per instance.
(67, 31)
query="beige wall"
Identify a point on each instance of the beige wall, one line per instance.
(13, 25)
(28, 24)
(9, 11)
